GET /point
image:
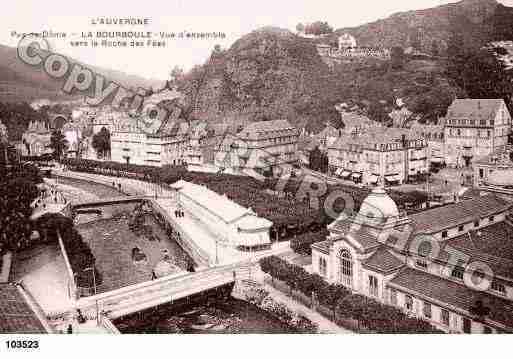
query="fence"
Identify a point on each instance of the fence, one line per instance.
(313, 303)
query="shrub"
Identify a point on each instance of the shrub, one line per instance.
(369, 313)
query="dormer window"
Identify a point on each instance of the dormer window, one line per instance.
(457, 272)
(498, 287)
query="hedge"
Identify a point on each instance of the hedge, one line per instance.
(79, 253)
(369, 313)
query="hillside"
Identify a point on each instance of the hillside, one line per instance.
(476, 21)
(267, 74)
(274, 74)
(271, 73)
(27, 83)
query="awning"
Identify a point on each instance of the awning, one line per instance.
(356, 175)
(345, 173)
(392, 178)
(338, 171)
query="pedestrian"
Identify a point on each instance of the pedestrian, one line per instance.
(119, 186)
(113, 184)
(69, 330)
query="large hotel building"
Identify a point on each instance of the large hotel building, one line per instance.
(451, 265)
(392, 153)
(475, 128)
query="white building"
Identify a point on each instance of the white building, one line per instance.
(346, 41)
(475, 128)
(262, 147)
(395, 154)
(408, 262)
(233, 224)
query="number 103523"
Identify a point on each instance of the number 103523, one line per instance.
(22, 344)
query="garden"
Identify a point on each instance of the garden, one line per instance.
(358, 312)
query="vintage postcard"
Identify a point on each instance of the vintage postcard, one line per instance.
(295, 167)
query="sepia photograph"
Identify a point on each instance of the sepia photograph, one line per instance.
(301, 167)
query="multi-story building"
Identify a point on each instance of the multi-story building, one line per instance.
(261, 146)
(450, 265)
(396, 154)
(146, 138)
(474, 128)
(36, 139)
(434, 137)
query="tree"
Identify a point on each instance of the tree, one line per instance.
(481, 75)
(300, 28)
(101, 142)
(397, 57)
(176, 74)
(58, 143)
(318, 28)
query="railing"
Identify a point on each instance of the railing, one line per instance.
(148, 294)
(195, 251)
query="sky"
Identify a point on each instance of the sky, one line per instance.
(231, 17)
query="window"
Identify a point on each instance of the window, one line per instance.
(427, 310)
(393, 296)
(491, 218)
(346, 268)
(476, 223)
(421, 263)
(498, 287)
(444, 234)
(457, 272)
(444, 317)
(373, 286)
(467, 325)
(408, 302)
(487, 330)
(323, 266)
(461, 228)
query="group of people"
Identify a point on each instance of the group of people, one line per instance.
(179, 213)
(118, 185)
(48, 197)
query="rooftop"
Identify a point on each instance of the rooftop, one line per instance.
(264, 128)
(220, 205)
(375, 136)
(449, 293)
(382, 260)
(491, 244)
(16, 316)
(474, 109)
(440, 218)
(361, 234)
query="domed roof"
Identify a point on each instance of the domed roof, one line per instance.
(378, 204)
(501, 177)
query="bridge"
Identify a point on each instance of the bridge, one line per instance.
(138, 297)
